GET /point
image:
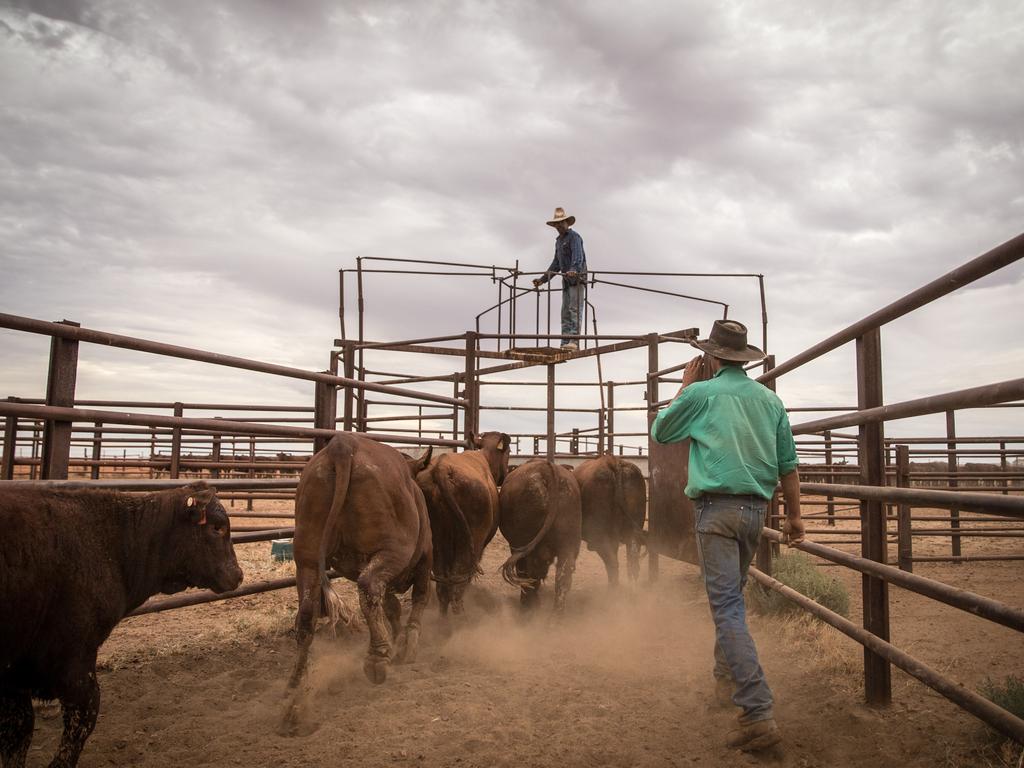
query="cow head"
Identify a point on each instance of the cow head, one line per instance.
(418, 465)
(201, 535)
(496, 447)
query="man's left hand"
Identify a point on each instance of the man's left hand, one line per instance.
(792, 531)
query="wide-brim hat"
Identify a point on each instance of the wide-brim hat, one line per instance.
(560, 216)
(728, 340)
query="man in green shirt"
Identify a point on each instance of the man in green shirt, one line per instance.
(741, 445)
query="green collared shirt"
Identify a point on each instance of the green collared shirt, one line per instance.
(741, 441)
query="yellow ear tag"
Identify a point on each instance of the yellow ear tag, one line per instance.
(190, 502)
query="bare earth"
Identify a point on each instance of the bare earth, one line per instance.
(622, 680)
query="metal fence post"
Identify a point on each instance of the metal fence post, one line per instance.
(766, 550)
(179, 411)
(871, 446)
(10, 443)
(252, 470)
(653, 566)
(60, 391)
(97, 451)
(551, 413)
(574, 441)
(904, 538)
(953, 465)
(348, 367)
(325, 407)
(215, 455)
(1002, 468)
(152, 454)
(830, 478)
(472, 415)
(610, 419)
(455, 409)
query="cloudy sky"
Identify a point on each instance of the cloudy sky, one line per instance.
(197, 172)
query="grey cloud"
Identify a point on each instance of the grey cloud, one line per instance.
(239, 153)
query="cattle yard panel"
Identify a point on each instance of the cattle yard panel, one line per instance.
(873, 494)
(58, 413)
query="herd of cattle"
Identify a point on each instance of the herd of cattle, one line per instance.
(73, 563)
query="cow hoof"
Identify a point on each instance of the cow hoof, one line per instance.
(289, 725)
(408, 647)
(376, 669)
(291, 720)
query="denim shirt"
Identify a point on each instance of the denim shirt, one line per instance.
(569, 255)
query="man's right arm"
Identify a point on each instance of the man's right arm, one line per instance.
(672, 423)
(551, 270)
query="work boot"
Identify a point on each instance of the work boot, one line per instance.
(570, 346)
(755, 736)
(724, 688)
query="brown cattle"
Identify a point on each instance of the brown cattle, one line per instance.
(540, 519)
(614, 497)
(72, 564)
(359, 511)
(461, 491)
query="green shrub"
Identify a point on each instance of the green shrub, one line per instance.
(1009, 694)
(799, 572)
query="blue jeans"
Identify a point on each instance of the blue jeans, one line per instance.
(572, 300)
(728, 531)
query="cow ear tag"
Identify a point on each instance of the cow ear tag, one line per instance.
(190, 502)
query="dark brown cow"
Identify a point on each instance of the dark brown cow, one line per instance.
(72, 564)
(359, 511)
(461, 491)
(540, 519)
(614, 499)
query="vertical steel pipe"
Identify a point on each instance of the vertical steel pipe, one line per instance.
(1002, 467)
(472, 391)
(871, 447)
(252, 470)
(60, 391)
(10, 444)
(97, 451)
(349, 366)
(341, 301)
(953, 465)
(831, 507)
(179, 411)
(653, 566)
(455, 409)
(610, 419)
(904, 537)
(551, 413)
(215, 455)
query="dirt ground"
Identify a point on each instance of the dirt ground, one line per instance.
(622, 680)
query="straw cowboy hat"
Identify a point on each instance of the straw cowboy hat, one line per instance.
(560, 216)
(728, 340)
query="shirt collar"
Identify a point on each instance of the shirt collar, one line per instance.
(731, 370)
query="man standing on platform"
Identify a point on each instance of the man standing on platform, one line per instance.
(571, 262)
(741, 446)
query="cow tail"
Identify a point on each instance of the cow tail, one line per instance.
(508, 568)
(335, 607)
(630, 531)
(462, 532)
